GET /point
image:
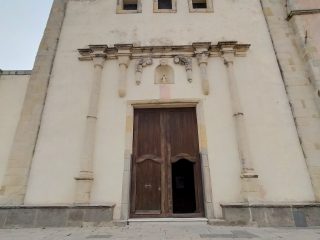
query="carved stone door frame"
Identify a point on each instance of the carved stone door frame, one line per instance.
(181, 103)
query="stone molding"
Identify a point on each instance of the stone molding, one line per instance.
(15, 72)
(124, 52)
(302, 12)
(214, 50)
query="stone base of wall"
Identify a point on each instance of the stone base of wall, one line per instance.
(55, 216)
(273, 215)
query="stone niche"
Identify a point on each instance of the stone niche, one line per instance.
(164, 73)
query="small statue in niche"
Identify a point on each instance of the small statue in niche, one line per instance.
(164, 79)
(164, 73)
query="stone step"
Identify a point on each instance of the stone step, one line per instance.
(167, 220)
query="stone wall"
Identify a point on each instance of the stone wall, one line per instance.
(13, 86)
(273, 86)
(55, 216)
(299, 87)
(16, 177)
(273, 215)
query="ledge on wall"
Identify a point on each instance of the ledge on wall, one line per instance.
(28, 216)
(15, 72)
(273, 214)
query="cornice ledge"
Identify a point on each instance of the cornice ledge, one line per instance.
(239, 50)
(87, 54)
(213, 50)
(293, 13)
(124, 49)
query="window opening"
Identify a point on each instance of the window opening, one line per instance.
(164, 4)
(199, 4)
(130, 5)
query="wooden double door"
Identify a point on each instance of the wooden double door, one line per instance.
(166, 179)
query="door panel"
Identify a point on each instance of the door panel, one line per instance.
(147, 163)
(165, 164)
(184, 161)
(148, 190)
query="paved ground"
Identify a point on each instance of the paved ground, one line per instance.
(163, 231)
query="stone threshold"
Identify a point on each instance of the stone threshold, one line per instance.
(177, 220)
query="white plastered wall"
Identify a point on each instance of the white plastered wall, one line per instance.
(12, 93)
(275, 149)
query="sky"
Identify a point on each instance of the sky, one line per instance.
(22, 23)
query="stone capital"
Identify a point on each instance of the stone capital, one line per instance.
(202, 57)
(98, 61)
(124, 60)
(200, 47)
(124, 50)
(228, 58)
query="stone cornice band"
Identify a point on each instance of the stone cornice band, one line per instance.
(302, 12)
(213, 50)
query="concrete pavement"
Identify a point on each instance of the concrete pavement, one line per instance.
(163, 231)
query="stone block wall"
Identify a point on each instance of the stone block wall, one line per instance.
(295, 215)
(55, 216)
(300, 88)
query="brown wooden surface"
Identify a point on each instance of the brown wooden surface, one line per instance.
(163, 137)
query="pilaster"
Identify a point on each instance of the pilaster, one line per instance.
(249, 179)
(85, 177)
(202, 54)
(124, 54)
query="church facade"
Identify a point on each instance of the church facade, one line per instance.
(205, 110)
